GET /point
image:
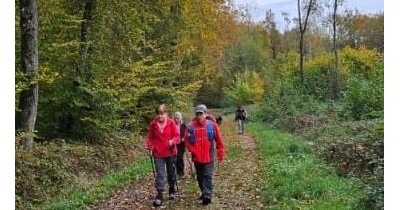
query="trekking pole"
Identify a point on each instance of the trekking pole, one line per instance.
(218, 167)
(191, 166)
(174, 167)
(152, 164)
(176, 180)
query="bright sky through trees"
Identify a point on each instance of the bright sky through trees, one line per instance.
(258, 8)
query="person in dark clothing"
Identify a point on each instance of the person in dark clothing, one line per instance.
(240, 117)
(181, 127)
(218, 119)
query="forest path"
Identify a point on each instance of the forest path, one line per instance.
(236, 181)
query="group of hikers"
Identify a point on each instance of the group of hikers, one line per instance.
(167, 140)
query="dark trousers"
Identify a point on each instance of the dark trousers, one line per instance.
(204, 178)
(180, 165)
(161, 164)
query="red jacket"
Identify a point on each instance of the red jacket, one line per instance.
(201, 147)
(158, 142)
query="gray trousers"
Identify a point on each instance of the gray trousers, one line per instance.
(241, 126)
(204, 174)
(204, 177)
(161, 164)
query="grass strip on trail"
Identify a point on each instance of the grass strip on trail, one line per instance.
(84, 196)
(294, 179)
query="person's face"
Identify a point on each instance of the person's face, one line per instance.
(201, 116)
(177, 120)
(161, 116)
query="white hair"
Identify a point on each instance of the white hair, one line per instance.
(178, 115)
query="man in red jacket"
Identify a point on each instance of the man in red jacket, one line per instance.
(162, 138)
(200, 138)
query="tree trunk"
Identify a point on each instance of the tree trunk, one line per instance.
(335, 78)
(301, 50)
(301, 44)
(84, 46)
(272, 32)
(273, 48)
(302, 29)
(30, 65)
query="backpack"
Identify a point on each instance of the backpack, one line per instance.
(210, 132)
(241, 114)
(210, 117)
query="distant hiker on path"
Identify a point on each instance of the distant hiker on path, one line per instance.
(219, 119)
(240, 117)
(162, 138)
(181, 128)
(200, 138)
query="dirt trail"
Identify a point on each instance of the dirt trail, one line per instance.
(236, 181)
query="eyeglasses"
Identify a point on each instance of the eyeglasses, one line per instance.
(199, 113)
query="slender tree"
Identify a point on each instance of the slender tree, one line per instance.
(84, 46)
(335, 74)
(302, 30)
(272, 33)
(286, 38)
(30, 64)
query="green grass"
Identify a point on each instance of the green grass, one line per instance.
(294, 179)
(86, 195)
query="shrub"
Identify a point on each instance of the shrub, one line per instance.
(248, 88)
(364, 98)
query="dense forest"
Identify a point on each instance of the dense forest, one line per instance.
(89, 74)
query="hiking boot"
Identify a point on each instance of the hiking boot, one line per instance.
(206, 200)
(159, 199)
(172, 196)
(201, 197)
(172, 193)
